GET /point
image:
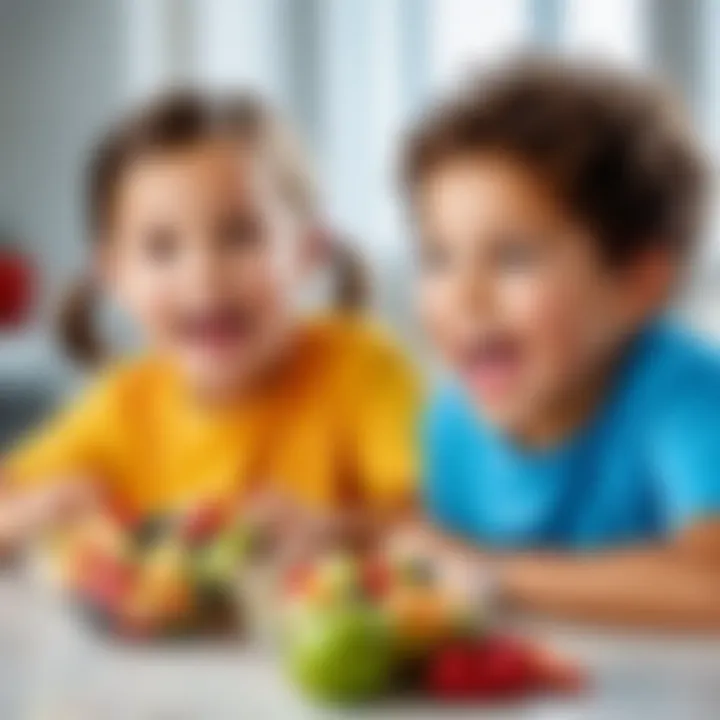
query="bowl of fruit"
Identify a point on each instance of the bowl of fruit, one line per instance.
(167, 576)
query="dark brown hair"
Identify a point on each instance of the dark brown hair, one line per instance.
(613, 148)
(175, 121)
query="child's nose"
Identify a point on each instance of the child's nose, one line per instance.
(475, 294)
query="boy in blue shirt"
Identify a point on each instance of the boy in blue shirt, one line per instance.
(576, 449)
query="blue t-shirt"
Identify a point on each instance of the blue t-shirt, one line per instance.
(646, 465)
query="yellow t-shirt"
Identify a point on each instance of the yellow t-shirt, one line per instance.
(338, 420)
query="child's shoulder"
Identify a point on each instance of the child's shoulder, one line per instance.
(360, 357)
(675, 383)
(679, 360)
(354, 337)
(135, 377)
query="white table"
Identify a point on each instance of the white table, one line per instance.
(50, 669)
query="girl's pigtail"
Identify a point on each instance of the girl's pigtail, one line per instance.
(76, 323)
(352, 281)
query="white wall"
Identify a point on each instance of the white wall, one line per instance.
(60, 78)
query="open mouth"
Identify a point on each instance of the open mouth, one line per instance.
(218, 327)
(490, 363)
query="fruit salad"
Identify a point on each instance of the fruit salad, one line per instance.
(347, 628)
(162, 576)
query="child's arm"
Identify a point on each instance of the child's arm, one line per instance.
(299, 532)
(670, 586)
(677, 585)
(52, 473)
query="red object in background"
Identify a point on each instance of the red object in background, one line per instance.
(16, 288)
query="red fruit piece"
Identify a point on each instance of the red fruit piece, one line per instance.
(376, 579)
(450, 674)
(297, 578)
(502, 667)
(122, 512)
(203, 522)
(106, 580)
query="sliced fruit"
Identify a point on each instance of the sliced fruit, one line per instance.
(215, 564)
(152, 531)
(105, 580)
(417, 571)
(337, 578)
(167, 562)
(162, 593)
(122, 512)
(421, 617)
(376, 579)
(203, 522)
(296, 580)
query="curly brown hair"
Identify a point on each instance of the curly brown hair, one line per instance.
(616, 149)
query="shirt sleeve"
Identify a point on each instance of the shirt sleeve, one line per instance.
(70, 443)
(686, 452)
(388, 405)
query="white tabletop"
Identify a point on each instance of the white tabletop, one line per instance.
(52, 669)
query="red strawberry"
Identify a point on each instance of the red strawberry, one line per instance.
(450, 673)
(502, 667)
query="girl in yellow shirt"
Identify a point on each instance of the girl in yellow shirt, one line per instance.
(205, 227)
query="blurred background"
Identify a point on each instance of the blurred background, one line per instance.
(349, 73)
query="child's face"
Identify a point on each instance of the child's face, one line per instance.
(515, 294)
(205, 254)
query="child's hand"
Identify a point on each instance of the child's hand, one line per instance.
(460, 571)
(23, 514)
(295, 532)
(279, 522)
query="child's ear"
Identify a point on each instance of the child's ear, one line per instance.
(652, 280)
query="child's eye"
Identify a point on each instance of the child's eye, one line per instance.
(161, 245)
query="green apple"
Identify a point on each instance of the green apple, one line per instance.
(341, 654)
